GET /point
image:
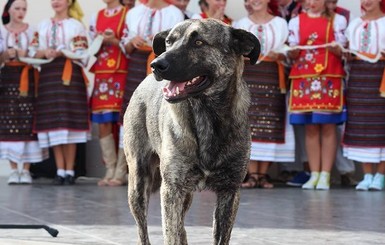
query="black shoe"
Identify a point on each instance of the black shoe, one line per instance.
(69, 180)
(58, 180)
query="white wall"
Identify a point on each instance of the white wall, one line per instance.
(40, 9)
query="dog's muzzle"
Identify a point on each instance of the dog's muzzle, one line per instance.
(159, 66)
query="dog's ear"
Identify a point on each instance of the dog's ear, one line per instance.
(245, 43)
(159, 44)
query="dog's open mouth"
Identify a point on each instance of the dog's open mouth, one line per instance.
(181, 90)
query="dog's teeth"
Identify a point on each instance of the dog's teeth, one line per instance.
(188, 83)
(177, 90)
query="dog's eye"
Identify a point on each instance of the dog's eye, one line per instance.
(198, 42)
(168, 42)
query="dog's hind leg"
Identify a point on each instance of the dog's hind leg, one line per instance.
(139, 190)
(224, 216)
(175, 204)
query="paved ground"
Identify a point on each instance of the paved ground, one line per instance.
(88, 214)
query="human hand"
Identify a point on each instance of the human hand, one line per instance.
(11, 53)
(108, 36)
(137, 42)
(293, 54)
(335, 49)
(51, 53)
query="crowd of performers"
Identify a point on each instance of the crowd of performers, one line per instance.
(317, 90)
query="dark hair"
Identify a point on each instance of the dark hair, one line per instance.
(273, 7)
(203, 2)
(5, 17)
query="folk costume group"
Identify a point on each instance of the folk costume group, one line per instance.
(47, 105)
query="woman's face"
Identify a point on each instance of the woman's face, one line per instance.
(128, 3)
(331, 4)
(181, 4)
(60, 6)
(17, 11)
(370, 5)
(216, 4)
(317, 6)
(258, 5)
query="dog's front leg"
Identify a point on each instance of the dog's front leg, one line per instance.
(175, 204)
(224, 215)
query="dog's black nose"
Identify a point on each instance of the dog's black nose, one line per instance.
(160, 65)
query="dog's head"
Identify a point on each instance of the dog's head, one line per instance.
(196, 54)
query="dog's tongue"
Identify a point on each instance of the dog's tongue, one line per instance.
(174, 88)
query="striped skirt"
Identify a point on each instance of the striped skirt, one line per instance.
(23, 152)
(268, 105)
(137, 72)
(272, 135)
(16, 112)
(60, 106)
(366, 108)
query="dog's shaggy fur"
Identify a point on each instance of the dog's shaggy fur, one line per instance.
(191, 130)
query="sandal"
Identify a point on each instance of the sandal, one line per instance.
(103, 182)
(116, 182)
(263, 182)
(251, 181)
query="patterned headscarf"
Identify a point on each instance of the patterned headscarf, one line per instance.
(75, 11)
(5, 17)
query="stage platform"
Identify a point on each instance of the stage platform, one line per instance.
(86, 214)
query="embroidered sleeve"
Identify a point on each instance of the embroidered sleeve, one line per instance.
(1, 43)
(38, 40)
(293, 38)
(92, 28)
(339, 25)
(283, 32)
(80, 43)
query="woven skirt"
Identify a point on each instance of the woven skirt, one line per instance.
(268, 105)
(366, 108)
(137, 72)
(61, 106)
(16, 112)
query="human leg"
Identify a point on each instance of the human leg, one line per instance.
(379, 178)
(364, 184)
(58, 152)
(107, 145)
(252, 176)
(262, 180)
(313, 149)
(14, 177)
(69, 157)
(25, 175)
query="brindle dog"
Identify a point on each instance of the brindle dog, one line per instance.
(186, 127)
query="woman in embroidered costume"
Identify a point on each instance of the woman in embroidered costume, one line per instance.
(364, 137)
(316, 94)
(110, 71)
(18, 143)
(272, 136)
(62, 117)
(216, 10)
(143, 22)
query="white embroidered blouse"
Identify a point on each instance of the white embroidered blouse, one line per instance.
(271, 35)
(146, 22)
(68, 34)
(366, 36)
